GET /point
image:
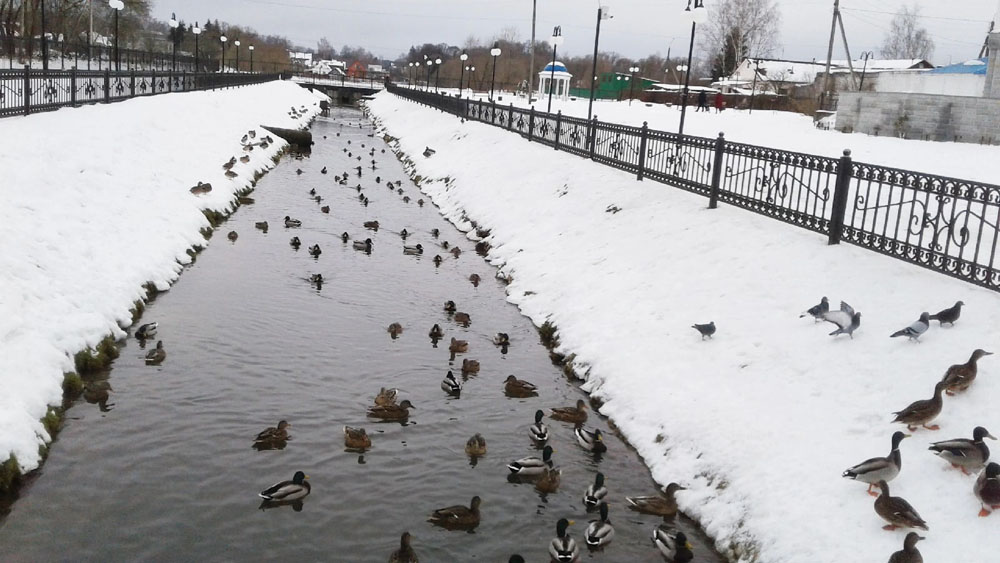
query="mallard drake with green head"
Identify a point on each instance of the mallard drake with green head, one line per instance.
(147, 330)
(538, 431)
(673, 544)
(923, 411)
(405, 553)
(415, 250)
(909, 553)
(501, 339)
(987, 488)
(344, 237)
(356, 438)
(395, 329)
(595, 493)
(896, 511)
(470, 367)
(450, 385)
(600, 532)
(156, 356)
(435, 233)
(437, 259)
(577, 414)
(295, 243)
(877, 469)
(450, 307)
(391, 412)
(665, 505)
(960, 376)
(315, 251)
(519, 388)
(549, 480)
(590, 440)
(363, 245)
(476, 445)
(292, 223)
(277, 433)
(563, 547)
(532, 466)
(288, 490)
(464, 517)
(386, 397)
(436, 333)
(963, 453)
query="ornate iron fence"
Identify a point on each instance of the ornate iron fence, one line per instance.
(34, 90)
(948, 225)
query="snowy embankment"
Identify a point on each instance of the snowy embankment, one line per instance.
(760, 421)
(791, 132)
(96, 203)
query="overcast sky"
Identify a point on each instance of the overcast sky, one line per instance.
(639, 27)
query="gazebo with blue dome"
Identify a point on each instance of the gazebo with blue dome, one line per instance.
(555, 76)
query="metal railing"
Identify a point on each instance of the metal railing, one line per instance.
(948, 225)
(32, 90)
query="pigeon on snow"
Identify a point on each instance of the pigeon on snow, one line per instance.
(817, 311)
(705, 330)
(846, 319)
(949, 315)
(918, 327)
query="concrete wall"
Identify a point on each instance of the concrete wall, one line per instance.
(924, 83)
(964, 119)
(992, 89)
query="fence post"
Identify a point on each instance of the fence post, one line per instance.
(510, 117)
(493, 112)
(593, 136)
(72, 87)
(131, 80)
(27, 89)
(644, 135)
(840, 197)
(720, 151)
(107, 85)
(555, 146)
(531, 123)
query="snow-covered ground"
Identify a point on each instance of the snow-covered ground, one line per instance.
(96, 203)
(787, 131)
(760, 421)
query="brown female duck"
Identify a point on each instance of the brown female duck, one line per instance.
(463, 319)
(385, 397)
(458, 346)
(356, 438)
(919, 413)
(896, 511)
(461, 517)
(392, 412)
(549, 480)
(470, 367)
(277, 433)
(577, 414)
(405, 553)
(960, 376)
(395, 329)
(476, 445)
(909, 553)
(519, 388)
(665, 505)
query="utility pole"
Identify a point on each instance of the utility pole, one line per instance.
(531, 65)
(847, 50)
(829, 49)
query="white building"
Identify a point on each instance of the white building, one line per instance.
(555, 77)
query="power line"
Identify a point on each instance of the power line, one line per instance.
(914, 15)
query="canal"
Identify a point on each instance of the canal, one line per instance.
(157, 463)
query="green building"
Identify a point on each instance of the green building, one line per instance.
(614, 86)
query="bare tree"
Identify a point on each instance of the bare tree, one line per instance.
(737, 29)
(905, 40)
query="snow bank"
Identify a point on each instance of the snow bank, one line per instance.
(95, 203)
(760, 421)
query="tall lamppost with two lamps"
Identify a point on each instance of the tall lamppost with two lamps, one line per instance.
(696, 16)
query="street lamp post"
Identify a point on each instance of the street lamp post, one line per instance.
(631, 88)
(117, 5)
(472, 70)
(251, 58)
(222, 54)
(864, 56)
(698, 15)
(45, 42)
(494, 52)
(427, 83)
(557, 40)
(237, 44)
(197, 33)
(463, 57)
(437, 74)
(173, 32)
(603, 13)
(411, 74)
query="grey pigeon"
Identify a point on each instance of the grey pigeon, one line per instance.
(705, 330)
(817, 311)
(918, 327)
(846, 319)
(949, 315)
(428, 152)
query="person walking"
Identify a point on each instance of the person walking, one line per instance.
(720, 103)
(702, 101)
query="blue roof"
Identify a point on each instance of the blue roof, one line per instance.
(559, 67)
(974, 66)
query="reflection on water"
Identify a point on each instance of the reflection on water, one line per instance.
(161, 469)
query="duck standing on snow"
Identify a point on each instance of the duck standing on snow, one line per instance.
(532, 466)
(817, 311)
(576, 415)
(450, 385)
(914, 331)
(665, 505)
(923, 411)
(672, 544)
(539, 431)
(963, 453)
(156, 356)
(295, 489)
(147, 330)
(595, 493)
(949, 315)
(706, 330)
(909, 553)
(987, 488)
(590, 440)
(600, 532)
(846, 319)
(563, 547)
(896, 511)
(960, 376)
(877, 469)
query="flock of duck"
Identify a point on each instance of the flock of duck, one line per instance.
(538, 470)
(967, 455)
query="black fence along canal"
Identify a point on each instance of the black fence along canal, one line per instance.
(161, 467)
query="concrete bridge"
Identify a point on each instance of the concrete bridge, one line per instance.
(343, 92)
